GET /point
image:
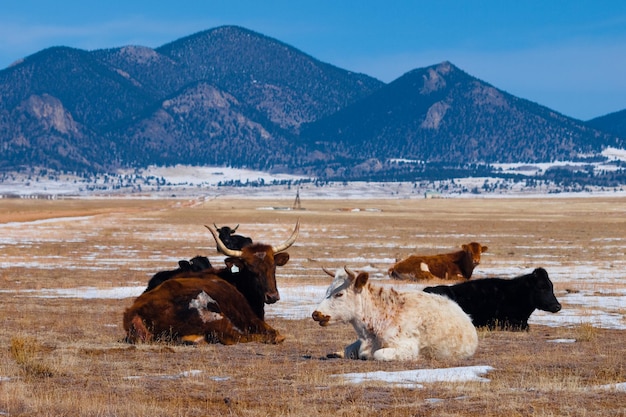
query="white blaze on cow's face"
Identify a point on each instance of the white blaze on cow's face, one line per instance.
(342, 302)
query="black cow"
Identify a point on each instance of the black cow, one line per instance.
(505, 304)
(197, 263)
(230, 239)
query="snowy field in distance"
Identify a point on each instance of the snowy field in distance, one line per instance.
(211, 182)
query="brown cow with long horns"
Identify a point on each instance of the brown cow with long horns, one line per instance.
(204, 306)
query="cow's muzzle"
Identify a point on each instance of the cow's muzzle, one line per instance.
(271, 298)
(322, 319)
(554, 308)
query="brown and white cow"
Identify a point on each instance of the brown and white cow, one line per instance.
(194, 310)
(207, 307)
(392, 325)
(449, 266)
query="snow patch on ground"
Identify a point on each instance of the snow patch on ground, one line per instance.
(416, 377)
(185, 374)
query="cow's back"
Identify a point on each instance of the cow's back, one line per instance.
(445, 266)
(427, 267)
(167, 306)
(495, 302)
(445, 330)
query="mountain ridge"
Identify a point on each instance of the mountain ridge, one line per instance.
(232, 97)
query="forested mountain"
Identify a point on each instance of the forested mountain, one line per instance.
(232, 97)
(614, 123)
(441, 115)
(223, 96)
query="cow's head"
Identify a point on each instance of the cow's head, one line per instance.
(199, 263)
(342, 300)
(259, 260)
(473, 251)
(542, 291)
(225, 231)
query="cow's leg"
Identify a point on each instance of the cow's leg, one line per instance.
(365, 348)
(515, 325)
(403, 351)
(424, 273)
(137, 330)
(254, 329)
(352, 351)
(425, 276)
(386, 354)
(266, 333)
(193, 339)
(223, 331)
(409, 275)
(420, 274)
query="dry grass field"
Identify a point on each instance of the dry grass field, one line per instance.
(63, 356)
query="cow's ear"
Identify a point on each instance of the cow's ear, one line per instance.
(532, 281)
(465, 247)
(184, 265)
(361, 280)
(281, 258)
(539, 277)
(233, 261)
(484, 249)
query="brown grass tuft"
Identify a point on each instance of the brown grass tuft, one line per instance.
(586, 332)
(27, 352)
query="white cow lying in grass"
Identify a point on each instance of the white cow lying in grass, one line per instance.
(391, 325)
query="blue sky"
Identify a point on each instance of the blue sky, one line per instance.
(567, 55)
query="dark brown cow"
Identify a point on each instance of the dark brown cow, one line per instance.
(194, 310)
(450, 266)
(205, 306)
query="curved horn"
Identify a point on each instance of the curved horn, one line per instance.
(332, 274)
(213, 225)
(235, 229)
(222, 246)
(350, 272)
(289, 241)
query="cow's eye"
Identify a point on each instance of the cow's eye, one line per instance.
(339, 294)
